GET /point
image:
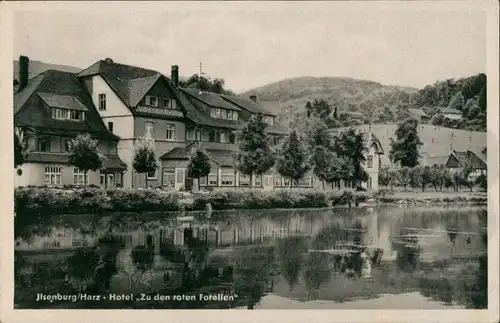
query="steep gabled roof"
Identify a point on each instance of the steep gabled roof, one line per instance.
(58, 89)
(248, 105)
(128, 82)
(469, 158)
(139, 87)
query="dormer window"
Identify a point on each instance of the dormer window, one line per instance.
(225, 114)
(269, 120)
(167, 103)
(65, 114)
(152, 101)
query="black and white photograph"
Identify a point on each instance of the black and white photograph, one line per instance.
(244, 155)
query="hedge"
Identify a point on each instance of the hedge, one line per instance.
(227, 200)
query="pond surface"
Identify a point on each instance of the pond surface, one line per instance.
(371, 258)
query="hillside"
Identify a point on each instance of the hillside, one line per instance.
(377, 103)
(37, 67)
(438, 141)
(345, 93)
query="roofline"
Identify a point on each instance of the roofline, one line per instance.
(242, 107)
(34, 91)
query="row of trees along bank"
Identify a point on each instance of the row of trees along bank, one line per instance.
(330, 158)
(405, 153)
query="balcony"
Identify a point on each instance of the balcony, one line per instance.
(160, 111)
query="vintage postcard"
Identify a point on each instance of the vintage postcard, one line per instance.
(310, 158)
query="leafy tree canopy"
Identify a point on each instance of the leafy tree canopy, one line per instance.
(84, 153)
(405, 149)
(144, 157)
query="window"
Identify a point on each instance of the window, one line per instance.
(211, 136)
(152, 101)
(167, 103)
(53, 175)
(179, 178)
(77, 115)
(277, 180)
(369, 162)
(228, 176)
(258, 180)
(44, 144)
(223, 137)
(66, 145)
(212, 179)
(79, 243)
(79, 177)
(232, 138)
(152, 174)
(217, 113)
(110, 126)
(205, 135)
(190, 134)
(276, 140)
(170, 132)
(102, 102)
(244, 180)
(229, 115)
(102, 178)
(149, 126)
(169, 177)
(235, 115)
(52, 244)
(60, 114)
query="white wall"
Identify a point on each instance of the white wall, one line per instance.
(116, 111)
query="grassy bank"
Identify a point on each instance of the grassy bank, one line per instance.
(45, 202)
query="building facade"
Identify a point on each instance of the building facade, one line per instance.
(458, 160)
(50, 110)
(120, 104)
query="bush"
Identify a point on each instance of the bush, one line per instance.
(43, 202)
(226, 200)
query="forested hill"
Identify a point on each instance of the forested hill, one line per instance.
(377, 103)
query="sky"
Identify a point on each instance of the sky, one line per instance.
(251, 48)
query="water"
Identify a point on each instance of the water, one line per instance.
(386, 257)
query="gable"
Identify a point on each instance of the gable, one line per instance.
(114, 105)
(452, 162)
(58, 89)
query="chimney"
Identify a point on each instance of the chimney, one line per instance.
(253, 97)
(24, 64)
(174, 76)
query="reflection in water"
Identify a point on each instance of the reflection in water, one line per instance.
(303, 256)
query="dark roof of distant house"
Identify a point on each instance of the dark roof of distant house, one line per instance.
(179, 152)
(436, 160)
(355, 114)
(212, 99)
(110, 163)
(219, 156)
(468, 157)
(222, 157)
(62, 90)
(450, 111)
(247, 104)
(368, 137)
(418, 112)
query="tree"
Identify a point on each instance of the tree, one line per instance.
(144, 158)
(437, 119)
(482, 181)
(421, 176)
(404, 176)
(458, 101)
(199, 164)
(19, 151)
(205, 84)
(482, 99)
(292, 162)
(351, 146)
(320, 108)
(387, 176)
(405, 149)
(255, 156)
(85, 155)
